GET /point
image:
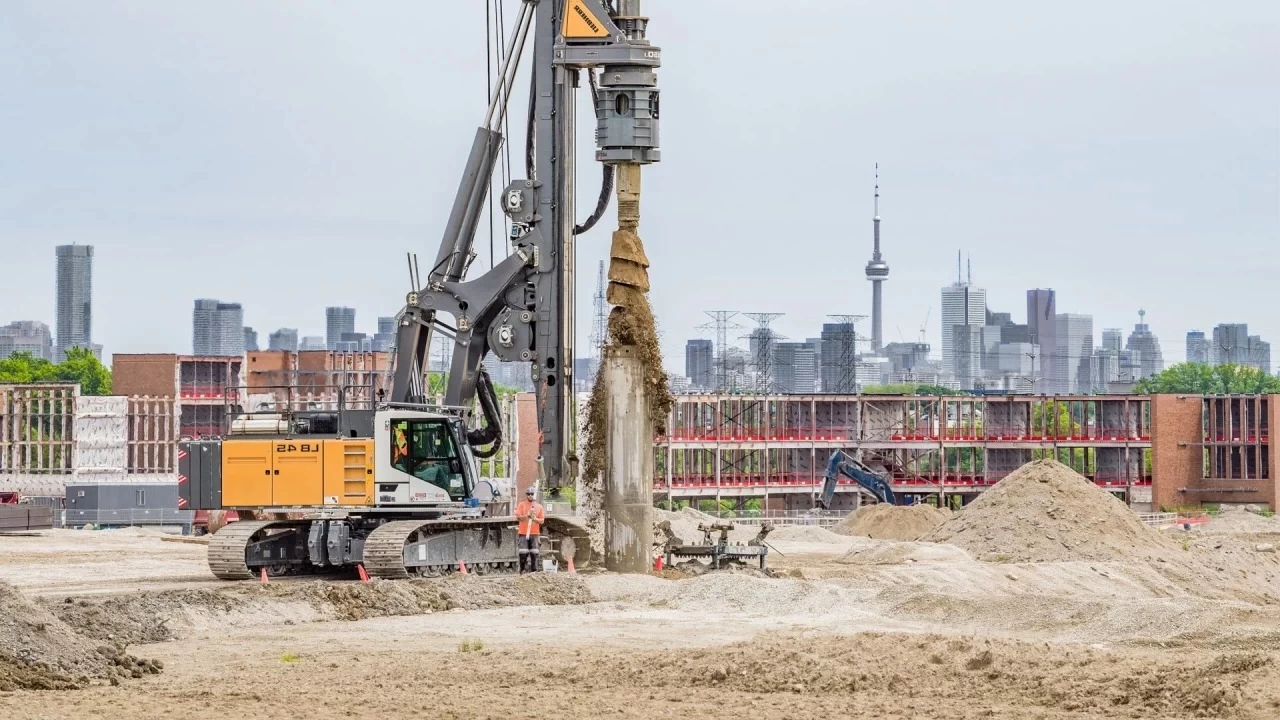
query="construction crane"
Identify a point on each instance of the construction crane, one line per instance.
(842, 463)
(396, 489)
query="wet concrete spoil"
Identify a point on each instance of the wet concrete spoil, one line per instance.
(629, 383)
(1139, 623)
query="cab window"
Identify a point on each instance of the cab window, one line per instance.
(425, 449)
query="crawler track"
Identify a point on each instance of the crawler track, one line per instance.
(227, 549)
(385, 547)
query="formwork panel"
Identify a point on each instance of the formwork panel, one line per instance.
(99, 451)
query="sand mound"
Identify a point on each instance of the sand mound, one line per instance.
(807, 534)
(40, 652)
(892, 522)
(1047, 512)
(1240, 521)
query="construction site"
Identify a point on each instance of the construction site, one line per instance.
(325, 533)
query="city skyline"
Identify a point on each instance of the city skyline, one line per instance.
(1128, 155)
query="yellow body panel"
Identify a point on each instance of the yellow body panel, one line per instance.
(246, 473)
(580, 22)
(297, 476)
(348, 476)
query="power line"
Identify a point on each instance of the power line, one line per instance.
(722, 323)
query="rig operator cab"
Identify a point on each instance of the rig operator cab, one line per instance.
(425, 459)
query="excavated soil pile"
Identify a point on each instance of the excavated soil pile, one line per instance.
(972, 677)
(1046, 512)
(356, 601)
(1240, 521)
(807, 534)
(147, 617)
(892, 522)
(40, 652)
(166, 615)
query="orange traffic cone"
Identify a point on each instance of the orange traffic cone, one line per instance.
(364, 576)
(462, 567)
(657, 563)
(264, 576)
(571, 568)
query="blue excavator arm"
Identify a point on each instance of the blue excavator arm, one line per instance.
(842, 463)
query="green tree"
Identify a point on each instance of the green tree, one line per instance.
(79, 367)
(1199, 378)
(23, 367)
(82, 367)
(898, 389)
(937, 390)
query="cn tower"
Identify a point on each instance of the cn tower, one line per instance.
(877, 273)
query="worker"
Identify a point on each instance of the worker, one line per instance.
(400, 449)
(531, 516)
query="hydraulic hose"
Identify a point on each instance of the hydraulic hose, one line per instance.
(491, 433)
(606, 181)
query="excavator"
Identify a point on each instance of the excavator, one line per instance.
(842, 463)
(395, 489)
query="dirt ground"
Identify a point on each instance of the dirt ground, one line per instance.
(846, 627)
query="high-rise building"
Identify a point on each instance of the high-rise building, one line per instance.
(1017, 358)
(839, 358)
(871, 370)
(1104, 370)
(1147, 346)
(1232, 343)
(75, 298)
(1197, 347)
(338, 320)
(312, 342)
(877, 273)
(816, 344)
(698, 363)
(794, 367)
(906, 357)
(966, 344)
(1042, 311)
(283, 339)
(1112, 340)
(250, 340)
(385, 339)
(353, 342)
(1073, 346)
(29, 336)
(962, 305)
(217, 328)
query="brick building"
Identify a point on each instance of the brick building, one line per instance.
(1214, 449)
(198, 383)
(307, 377)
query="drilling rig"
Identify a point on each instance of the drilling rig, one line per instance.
(396, 489)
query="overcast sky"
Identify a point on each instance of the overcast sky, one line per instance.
(286, 156)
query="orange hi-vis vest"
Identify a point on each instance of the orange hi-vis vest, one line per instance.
(531, 516)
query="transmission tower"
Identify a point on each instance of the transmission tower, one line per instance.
(600, 324)
(764, 338)
(844, 363)
(722, 323)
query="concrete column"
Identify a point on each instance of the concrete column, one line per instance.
(628, 480)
